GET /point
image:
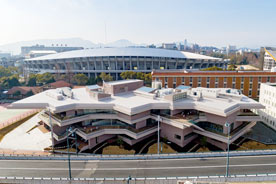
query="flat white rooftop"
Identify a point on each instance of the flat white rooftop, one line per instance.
(131, 103)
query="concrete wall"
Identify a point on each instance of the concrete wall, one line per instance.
(169, 132)
(134, 117)
(92, 142)
(218, 144)
(121, 88)
(141, 124)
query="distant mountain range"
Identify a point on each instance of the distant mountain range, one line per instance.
(15, 48)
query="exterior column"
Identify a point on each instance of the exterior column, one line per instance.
(130, 61)
(102, 64)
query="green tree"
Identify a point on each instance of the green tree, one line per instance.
(128, 75)
(45, 78)
(231, 67)
(4, 72)
(203, 141)
(17, 93)
(9, 82)
(32, 80)
(92, 81)
(80, 79)
(213, 68)
(120, 142)
(29, 93)
(137, 75)
(106, 77)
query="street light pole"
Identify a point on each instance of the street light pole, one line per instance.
(68, 153)
(158, 134)
(228, 145)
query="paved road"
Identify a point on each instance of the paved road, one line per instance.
(139, 168)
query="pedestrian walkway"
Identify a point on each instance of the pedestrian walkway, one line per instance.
(262, 133)
(26, 137)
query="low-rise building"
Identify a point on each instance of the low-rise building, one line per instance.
(20, 92)
(268, 99)
(247, 81)
(130, 111)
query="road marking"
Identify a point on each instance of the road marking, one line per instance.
(152, 160)
(141, 168)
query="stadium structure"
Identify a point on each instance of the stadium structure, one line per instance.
(117, 60)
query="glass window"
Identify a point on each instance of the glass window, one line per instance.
(177, 136)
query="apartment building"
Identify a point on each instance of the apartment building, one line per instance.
(128, 110)
(247, 81)
(268, 99)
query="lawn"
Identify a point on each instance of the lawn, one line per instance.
(203, 149)
(111, 150)
(166, 149)
(253, 145)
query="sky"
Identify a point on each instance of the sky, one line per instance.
(244, 23)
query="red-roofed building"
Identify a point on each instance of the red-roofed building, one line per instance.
(57, 84)
(19, 92)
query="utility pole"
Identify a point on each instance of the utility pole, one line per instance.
(228, 145)
(68, 153)
(158, 134)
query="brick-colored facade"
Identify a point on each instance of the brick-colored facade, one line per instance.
(247, 81)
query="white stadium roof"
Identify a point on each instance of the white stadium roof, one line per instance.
(144, 52)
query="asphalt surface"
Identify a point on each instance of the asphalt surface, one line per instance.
(139, 168)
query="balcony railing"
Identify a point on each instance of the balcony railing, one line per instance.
(181, 119)
(61, 118)
(232, 133)
(90, 129)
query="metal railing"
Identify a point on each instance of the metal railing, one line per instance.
(145, 180)
(87, 156)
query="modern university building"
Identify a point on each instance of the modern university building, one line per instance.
(128, 110)
(117, 60)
